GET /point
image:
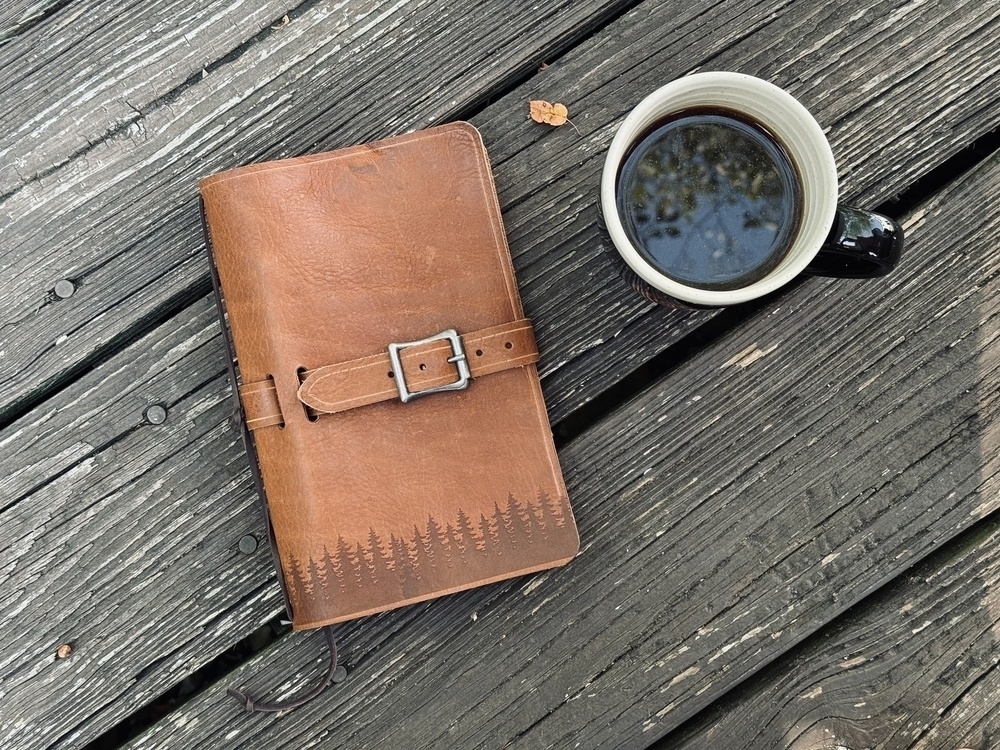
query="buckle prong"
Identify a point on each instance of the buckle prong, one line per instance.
(457, 358)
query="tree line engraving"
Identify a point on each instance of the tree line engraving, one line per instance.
(442, 554)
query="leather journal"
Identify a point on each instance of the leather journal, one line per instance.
(386, 374)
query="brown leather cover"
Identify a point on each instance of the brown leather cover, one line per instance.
(323, 262)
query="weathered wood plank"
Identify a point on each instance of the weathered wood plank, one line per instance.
(120, 219)
(91, 70)
(84, 439)
(887, 80)
(917, 666)
(99, 219)
(120, 537)
(772, 481)
(191, 652)
(17, 16)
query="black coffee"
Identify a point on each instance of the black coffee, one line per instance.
(709, 199)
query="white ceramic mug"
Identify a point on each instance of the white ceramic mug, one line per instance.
(831, 240)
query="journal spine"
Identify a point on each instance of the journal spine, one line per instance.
(247, 436)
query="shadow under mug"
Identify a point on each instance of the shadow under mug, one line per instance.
(831, 240)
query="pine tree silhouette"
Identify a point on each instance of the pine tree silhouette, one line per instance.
(316, 577)
(415, 553)
(457, 543)
(505, 530)
(529, 522)
(341, 564)
(327, 591)
(467, 532)
(543, 514)
(378, 560)
(301, 575)
(553, 508)
(370, 573)
(538, 514)
(403, 566)
(395, 555)
(487, 543)
(543, 523)
(521, 518)
(424, 549)
(297, 585)
(506, 523)
(439, 544)
(367, 560)
(347, 565)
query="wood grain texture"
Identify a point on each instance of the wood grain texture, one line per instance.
(886, 80)
(92, 69)
(145, 669)
(918, 666)
(55, 570)
(120, 221)
(772, 481)
(120, 537)
(143, 662)
(17, 16)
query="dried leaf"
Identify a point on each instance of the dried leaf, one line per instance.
(559, 115)
(551, 114)
(538, 110)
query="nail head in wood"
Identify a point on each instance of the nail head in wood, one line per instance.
(64, 289)
(64, 651)
(339, 674)
(156, 414)
(248, 544)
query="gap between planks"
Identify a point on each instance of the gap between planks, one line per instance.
(558, 250)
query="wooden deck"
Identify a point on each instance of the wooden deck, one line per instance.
(789, 509)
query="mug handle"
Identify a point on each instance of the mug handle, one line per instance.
(861, 245)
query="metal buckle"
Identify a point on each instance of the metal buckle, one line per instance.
(458, 357)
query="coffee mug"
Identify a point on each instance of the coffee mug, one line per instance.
(719, 188)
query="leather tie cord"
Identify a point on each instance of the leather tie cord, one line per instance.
(332, 675)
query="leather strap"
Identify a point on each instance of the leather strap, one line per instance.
(368, 380)
(260, 404)
(333, 674)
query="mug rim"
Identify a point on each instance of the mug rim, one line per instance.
(794, 127)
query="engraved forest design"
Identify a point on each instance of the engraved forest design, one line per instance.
(444, 554)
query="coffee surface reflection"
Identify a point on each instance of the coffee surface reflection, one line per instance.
(710, 200)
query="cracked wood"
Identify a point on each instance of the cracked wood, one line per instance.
(726, 514)
(120, 219)
(914, 666)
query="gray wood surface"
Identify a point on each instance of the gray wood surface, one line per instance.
(889, 82)
(64, 535)
(120, 536)
(916, 667)
(119, 219)
(17, 16)
(773, 480)
(90, 71)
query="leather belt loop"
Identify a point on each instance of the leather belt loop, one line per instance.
(428, 366)
(260, 404)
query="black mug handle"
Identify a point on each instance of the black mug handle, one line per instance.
(861, 245)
